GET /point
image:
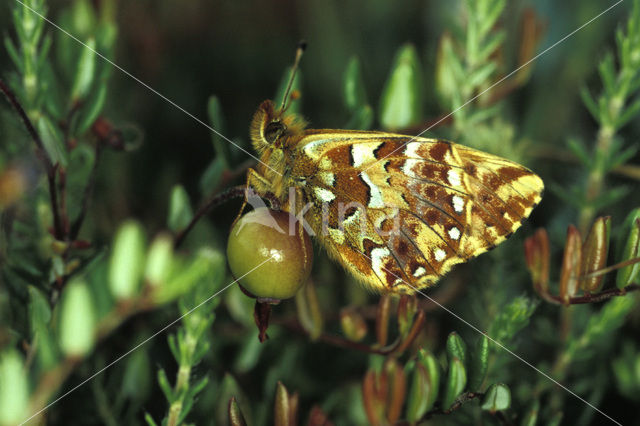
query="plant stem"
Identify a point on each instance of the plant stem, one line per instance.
(210, 204)
(49, 167)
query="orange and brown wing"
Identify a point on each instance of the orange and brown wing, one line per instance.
(414, 207)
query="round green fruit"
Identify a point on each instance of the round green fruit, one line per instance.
(270, 261)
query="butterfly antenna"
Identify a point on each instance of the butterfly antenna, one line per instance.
(299, 51)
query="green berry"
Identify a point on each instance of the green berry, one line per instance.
(270, 261)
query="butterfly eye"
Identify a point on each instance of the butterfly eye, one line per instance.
(273, 131)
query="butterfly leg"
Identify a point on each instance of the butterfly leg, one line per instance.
(256, 182)
(261, 187)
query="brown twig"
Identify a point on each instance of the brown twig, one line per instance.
(86, 196)
(398, 346)
(460, 401)
(49, 167)
(592, 298)
(210, 204)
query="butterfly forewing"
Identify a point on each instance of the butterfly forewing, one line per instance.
(414, 206)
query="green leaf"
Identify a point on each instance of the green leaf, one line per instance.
(85, 71)
(13, 54)
(309, 311)
(622, 157)
(608, 73)
(189, 398)
(211, 177)
(216, 120)
(601, 326)
(159, 260)
(425, 382)
(53, 141)
(281, 409)
(127, 260)
(531, 416)
(432, 368)
(180, 212)
(493, 12)
(249, 353)
(235, 414)
(456, 382)
(629, 113)
(626, 370)
(479, 76)
(456, 348)
(479, 364)
(579, 150)
(40, 316)
(165, 386)
(52, 93)
(227, 389)
(490, 46)
(354, 93)
(92, 109)
(611, 196)
(589, 103)
(208, 266)
(630, 274)
(449, 72)
(137, 376)
(14, 391)
(362, 119)
(418, 390)
(497, 398)
(84, 19)
(513, 318)
(402, 98)
(149, 420)
(77, 318)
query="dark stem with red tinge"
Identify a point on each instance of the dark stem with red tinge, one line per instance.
(49, 167)
(592, 298)
(210, 204)
(398, 346)
(86, 196)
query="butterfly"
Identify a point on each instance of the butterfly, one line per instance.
(398, 212)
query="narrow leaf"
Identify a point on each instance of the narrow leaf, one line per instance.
(571, 264)
(456, 382)
(479, 364)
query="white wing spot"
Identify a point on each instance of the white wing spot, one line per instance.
(454, 233)
(363, 153)
(411, 150)
(454, 177)
(458, 203)
(420, 271)
(336, 235)
(326, 164)
(375, 199)
(324, 194)
(313, 148)
(407, 169)
(377, 256)
(327, 178)
(439, 254)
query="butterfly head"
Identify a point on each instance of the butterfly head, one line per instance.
(271, 128)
